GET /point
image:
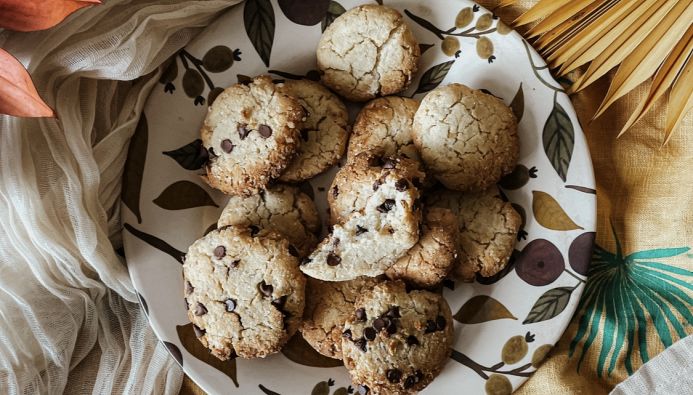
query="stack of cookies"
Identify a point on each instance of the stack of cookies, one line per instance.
(415, 203)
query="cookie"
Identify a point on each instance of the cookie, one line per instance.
(396, 342)
(372, 239)
(328, 305)
(385, 125)
(355, 182)
(467, 139)
(244, 292)
(251, 133)
(281, 208)
(434, 255)
(366, 52)
(324, 133)
(488, 229)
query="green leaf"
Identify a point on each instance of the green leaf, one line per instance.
(622, 326)
(666, 268)
(434, 76)
(664, 276)
(559, 139)
(156, 243)
(482, 308)
(258, 18)
(662, 298)
(134, 168)
(594, 327)
(299, 351)
(549, 305)
(641, 323)
(333, 11)
(183, 195)
(191, 156)
(654, 310)
(518, 103)
(658, 253)
(609, 329)
(189, 340)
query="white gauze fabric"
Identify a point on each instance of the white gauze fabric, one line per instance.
(69, 322)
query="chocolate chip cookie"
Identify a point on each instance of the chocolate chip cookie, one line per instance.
(251, 133)
(324, 133)
(366, 52)
(281, 208)
(396, 342)
(328, 305)
(488, 229)
(467, 138)
(244, 292)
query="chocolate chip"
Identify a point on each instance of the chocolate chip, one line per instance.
(393, 375)
(220, 252)
(199, 332)
(280, 302)
(305, 261)
(375, 161)
(402, 185)
(387, 205)
(243, 131)
(335, 191)
(200, 309)
(363, 389)
(333, 259)
(304, 134)
(361, 343)
(230, 305)
(412, 340)
(235, 263)
(265, 131)
(360, 230)
(227, 146)
(440, 322)
(393, 312)
(265, 289)
(431, 326)
(391, 327)
(347, 334)
(188, 288)
(379, 324)
(389, 164)
(370, 333)
(361, 314)
(293, 251)
(410, 382)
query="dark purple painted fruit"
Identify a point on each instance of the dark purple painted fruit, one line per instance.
(304, 12)
(540, 263)
(580, 252)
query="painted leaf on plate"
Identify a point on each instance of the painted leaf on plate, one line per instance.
(549, 305)
(156, 243)
(559, 139)
(482, 308)
(134, 167)
(299, 351)
(186, 334)
(333, 11)
(191, 156)
(182, 195)
(258, 18)
(32, 15)
(18, 95)
(518, 104)
(549, 213)
(434, 76)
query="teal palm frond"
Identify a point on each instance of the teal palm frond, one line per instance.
(622, 292)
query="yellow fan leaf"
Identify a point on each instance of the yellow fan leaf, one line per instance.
(540, 10)
(561, 15)
(572, 26)
(644, 60)
(680, 99)
(624, 43)
(664, 78)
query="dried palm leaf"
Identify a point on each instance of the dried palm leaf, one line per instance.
(643, 38)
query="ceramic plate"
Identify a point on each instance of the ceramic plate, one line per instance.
(504, 326)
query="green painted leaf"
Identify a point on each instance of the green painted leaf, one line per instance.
(156, 243)
(189, 340)
(549, 305)
(333, 11)
(658, 253)
(559, 139)
(482, 308)
(434, 76)
(191, 156)
(299, 351)
(134, 168)
(258, 18)
(183, 195)
(667, 268)
(518, 103)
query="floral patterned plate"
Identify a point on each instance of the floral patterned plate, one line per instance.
(504, 325)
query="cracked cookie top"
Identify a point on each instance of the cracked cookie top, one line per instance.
(324, 133)
(467, 138)
(396, 342)
(488, 228)
(251, 132)
(281, 208)
(366, 52)
(244, 291)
